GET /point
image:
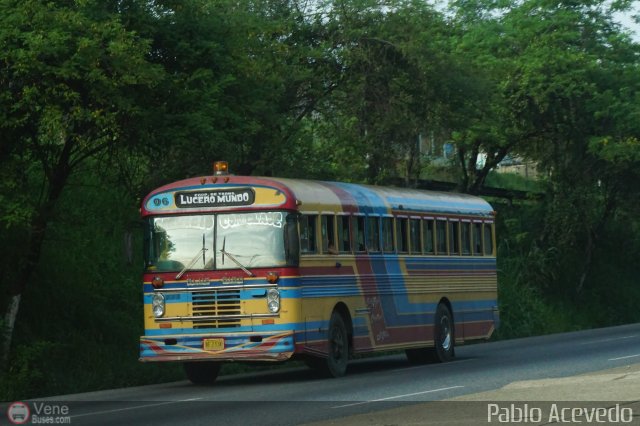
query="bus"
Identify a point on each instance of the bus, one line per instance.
(254, 269)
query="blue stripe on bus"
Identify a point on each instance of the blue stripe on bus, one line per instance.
(264, 328)
(316, 330)
(187, 296)
(368, 201)
(463, 206)
(217, 284)
(450, 263)
(196, 331)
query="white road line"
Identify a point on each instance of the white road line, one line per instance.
(612, 339)
(624, 357)
(116, 410)
(401, 369)
(397, 397)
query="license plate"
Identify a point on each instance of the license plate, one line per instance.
(213, 344)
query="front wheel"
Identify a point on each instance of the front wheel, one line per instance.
(335, 364)
(203, 372)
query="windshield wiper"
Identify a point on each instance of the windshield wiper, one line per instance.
(203, 250)
(240, 265)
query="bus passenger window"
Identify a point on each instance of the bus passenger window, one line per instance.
(308, 233)
(358, 233)
(414, 236)
(454, 234)
(327, 230)
(373, 233)
(465, 237)
(401, 229)
(427, 236)
(488, 239)
(387, 235)
(441, 236)
(477, 239)
(344, 242)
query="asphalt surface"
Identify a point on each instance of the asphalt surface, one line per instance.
(604, 397)
(517, 380)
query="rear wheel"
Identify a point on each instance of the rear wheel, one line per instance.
(443, 340)
(202, 373)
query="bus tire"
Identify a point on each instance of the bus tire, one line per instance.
(443, 335)
(202, 372)
(335, 365)
(443, 340)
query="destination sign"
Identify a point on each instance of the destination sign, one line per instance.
(215, 198)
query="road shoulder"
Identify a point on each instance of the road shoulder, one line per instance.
(612, 392)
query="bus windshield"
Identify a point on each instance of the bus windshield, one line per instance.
(197, 242)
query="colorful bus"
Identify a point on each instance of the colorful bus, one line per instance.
(248, 269)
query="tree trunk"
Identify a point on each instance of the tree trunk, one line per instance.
(9, 323)
(586, 265)
(593, 235)
(57, 181)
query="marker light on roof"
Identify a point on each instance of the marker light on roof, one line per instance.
(220, 168)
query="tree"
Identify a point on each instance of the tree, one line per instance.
(565, 75)
(393, 85)
(72, 84)
(539, 60)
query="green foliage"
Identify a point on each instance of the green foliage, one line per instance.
(513, 181)
(25, 376)
(89, 294)
(549, 66)
(536, 281)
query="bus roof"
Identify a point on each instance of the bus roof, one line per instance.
(307, 196)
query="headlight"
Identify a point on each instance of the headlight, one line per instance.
(273, 300)
(157, 304)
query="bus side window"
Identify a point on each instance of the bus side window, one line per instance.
(465, 237)
(344, 237)
(401, 234)
(454, 234)
(441, 237)
(427, 236)
(414, 236)
(308, 233)
(358, 233)
(327, 230)
(291, 241)
(373, 234)
(387, 235)
(488, 239)
(477, 239)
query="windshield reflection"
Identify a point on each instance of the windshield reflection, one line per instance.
(255, 239)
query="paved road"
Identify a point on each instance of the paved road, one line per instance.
(388, 390)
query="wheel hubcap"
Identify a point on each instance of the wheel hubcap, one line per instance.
(445, 327)
(337, 343)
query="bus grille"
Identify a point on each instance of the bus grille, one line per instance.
(216, 302)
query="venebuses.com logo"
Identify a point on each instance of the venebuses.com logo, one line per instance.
(18, 413)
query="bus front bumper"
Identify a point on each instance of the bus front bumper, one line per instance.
(218, 347)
